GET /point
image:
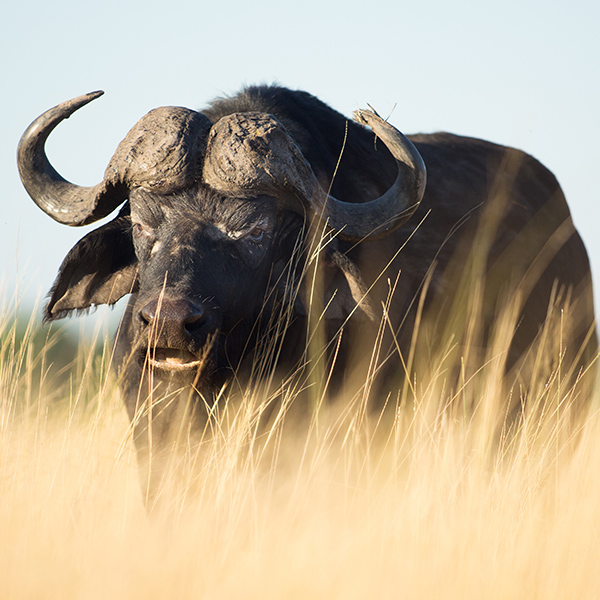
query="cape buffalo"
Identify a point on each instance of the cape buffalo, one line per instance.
(242, 225)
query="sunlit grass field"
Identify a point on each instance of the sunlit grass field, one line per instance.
(426, 500)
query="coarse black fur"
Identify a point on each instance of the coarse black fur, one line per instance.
(226, 269)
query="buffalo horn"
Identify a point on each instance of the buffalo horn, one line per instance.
(252, 153)
(163, 152)
(376, 218)
(63, 201)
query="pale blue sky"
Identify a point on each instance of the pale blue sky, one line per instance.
(522, 73)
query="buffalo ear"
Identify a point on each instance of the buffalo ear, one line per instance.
(345, 290)
(100, 269)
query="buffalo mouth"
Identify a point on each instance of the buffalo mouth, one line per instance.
(172, 359)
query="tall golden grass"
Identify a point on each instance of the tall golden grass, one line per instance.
(425, 500)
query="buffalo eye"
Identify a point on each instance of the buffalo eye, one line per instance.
(258, 233)
(255, 235)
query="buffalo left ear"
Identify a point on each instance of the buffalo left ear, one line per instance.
(345, 290)
(100, 269)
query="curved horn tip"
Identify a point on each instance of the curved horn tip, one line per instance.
(76, 103)
(92, 95)
(366, 117)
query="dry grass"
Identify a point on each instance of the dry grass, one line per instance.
(426, 502)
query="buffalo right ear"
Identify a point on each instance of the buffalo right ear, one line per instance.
(100, 269)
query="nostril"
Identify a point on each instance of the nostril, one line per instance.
(196, 321)
(147, 314)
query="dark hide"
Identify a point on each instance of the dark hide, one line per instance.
(225, 269)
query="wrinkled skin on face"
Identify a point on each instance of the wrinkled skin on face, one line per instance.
(207, 267)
